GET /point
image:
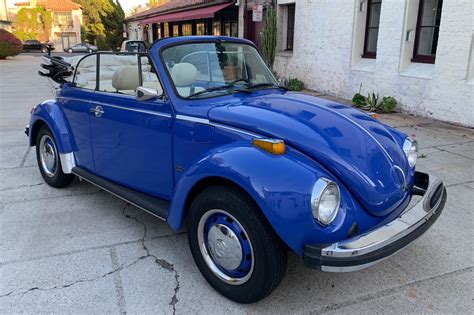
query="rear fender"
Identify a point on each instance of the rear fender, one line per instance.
(50, 113)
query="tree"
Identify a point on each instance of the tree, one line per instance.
(33, 23)
(92, 12)
(113, 25)
(156, 3)
(269, 36)
(136, 9)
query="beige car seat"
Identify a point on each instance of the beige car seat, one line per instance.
(184, 75)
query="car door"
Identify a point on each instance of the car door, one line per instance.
(131, 139)
(75, 101)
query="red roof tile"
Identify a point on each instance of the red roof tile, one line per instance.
(175, 6)
(53, 5)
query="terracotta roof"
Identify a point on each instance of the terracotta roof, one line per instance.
(53, 5)
(175, 6)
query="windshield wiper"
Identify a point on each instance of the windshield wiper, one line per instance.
(248, 88)
(218, 88)
(212, 89)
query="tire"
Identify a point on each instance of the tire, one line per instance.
(222, 217)
(69, 50)
(49, 163)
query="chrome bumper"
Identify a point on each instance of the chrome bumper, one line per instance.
(364, 250)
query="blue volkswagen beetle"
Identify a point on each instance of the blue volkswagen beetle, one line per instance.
(198, 132)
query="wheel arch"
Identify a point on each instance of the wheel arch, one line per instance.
(216, 180)
(50, 114)
(279, 185)
(35, 129)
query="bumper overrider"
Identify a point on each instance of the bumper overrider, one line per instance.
(364, 250)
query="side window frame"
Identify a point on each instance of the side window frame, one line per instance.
(74, 82)
(139, 66)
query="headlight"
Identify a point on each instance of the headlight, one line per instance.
(325, 200)
(410, 147)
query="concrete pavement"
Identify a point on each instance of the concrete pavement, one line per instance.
(81, 250)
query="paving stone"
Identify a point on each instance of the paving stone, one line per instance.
(431, 138)
(71, 223)
(463, 149)
(424, 297)
(74, 283)
(11, 157)
(451, 168)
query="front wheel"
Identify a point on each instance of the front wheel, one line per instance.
(48, 159)
(233, 246)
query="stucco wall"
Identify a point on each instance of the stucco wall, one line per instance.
(327, 49)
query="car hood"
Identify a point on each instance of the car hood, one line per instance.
(357, 149)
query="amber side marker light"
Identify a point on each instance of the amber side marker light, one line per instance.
(374, 115)
(273, 146)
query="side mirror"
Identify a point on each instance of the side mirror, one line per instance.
(284, 83)
(145, 94)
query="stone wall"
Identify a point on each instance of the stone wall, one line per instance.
(328, 44)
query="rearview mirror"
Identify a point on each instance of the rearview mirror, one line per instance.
(145, 94)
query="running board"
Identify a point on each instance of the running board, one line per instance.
(153, 205)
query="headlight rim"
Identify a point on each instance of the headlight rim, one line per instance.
(319, 188)
(408, 145)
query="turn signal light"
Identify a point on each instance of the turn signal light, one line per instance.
(374, 115)
(273, 146)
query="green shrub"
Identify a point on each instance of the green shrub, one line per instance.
(388, 104)
(372, 102)
(359, 100)
(295, 85)
(9, 44)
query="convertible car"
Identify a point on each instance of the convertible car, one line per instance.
(198, 132)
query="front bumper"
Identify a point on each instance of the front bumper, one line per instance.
(364, 250)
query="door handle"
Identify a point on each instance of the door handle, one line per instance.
(98, 111)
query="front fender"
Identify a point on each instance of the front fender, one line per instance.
(50, 113)
(280, 185)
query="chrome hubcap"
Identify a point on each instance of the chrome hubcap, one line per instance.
(48, 156)
(225, 247)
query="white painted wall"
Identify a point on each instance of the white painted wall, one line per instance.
(329, 42)
(136, 33)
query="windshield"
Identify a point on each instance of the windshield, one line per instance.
(216, 68)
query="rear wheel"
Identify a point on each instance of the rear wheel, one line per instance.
(48, 159)
(233, 246)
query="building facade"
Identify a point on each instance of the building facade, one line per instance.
(419, 51)
(5, 22)
(184, 17)
(66, 24)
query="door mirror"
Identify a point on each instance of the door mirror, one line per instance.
(145, 94)
(284, 83)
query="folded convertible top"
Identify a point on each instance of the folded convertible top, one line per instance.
(56, 68)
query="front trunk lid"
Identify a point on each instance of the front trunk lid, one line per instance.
(357, 149)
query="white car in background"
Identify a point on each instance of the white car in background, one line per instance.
(133, 46)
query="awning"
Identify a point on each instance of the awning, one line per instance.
(201, 13)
